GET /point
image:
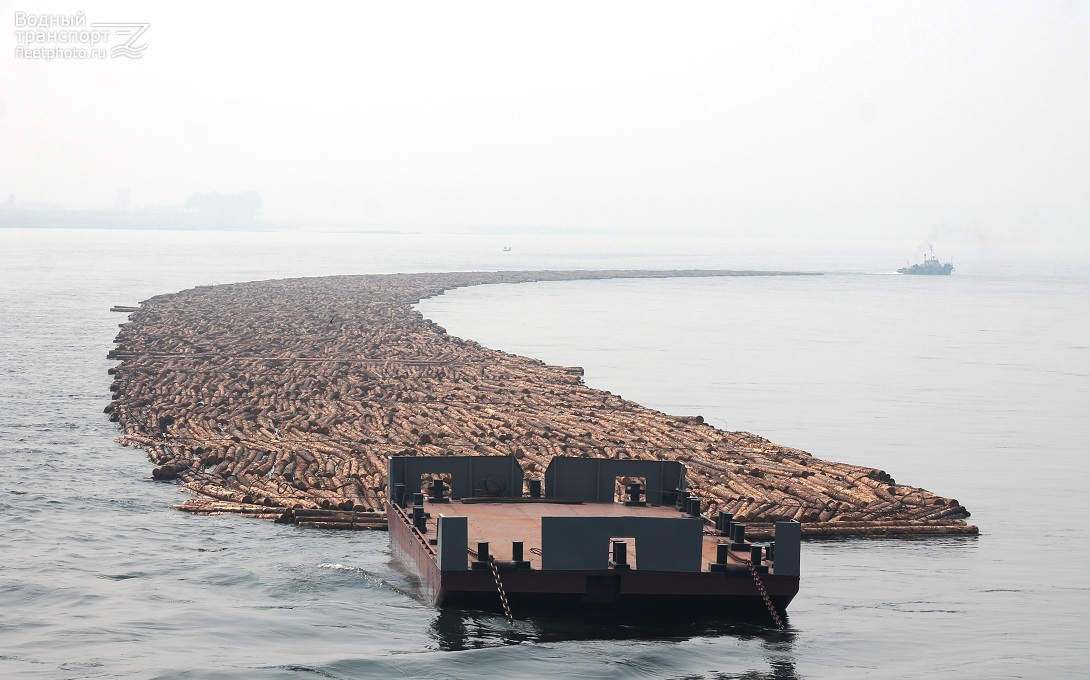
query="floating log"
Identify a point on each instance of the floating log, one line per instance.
(340, 516)
(165, 472)
(356, 526)
(282, 399)
(206, 505)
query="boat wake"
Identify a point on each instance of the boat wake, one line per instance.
(369, 577)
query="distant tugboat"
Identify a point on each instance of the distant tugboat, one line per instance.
(930, 266)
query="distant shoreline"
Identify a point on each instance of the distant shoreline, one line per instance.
(49, 218)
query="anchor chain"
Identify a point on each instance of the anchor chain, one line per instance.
(764, 595)
(503, 593)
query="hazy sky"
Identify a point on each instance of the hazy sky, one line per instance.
(841, 119)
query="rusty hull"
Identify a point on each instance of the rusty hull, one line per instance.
(728, 594)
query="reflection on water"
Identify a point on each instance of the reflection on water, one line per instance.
(457, 630)
(466, 629)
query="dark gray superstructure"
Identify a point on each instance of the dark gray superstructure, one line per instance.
(574, 545)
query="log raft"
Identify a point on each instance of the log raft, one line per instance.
(282, 400)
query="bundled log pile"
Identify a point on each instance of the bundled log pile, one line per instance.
(282, 399)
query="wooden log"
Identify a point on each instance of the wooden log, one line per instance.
(344, 525)
(340, 515)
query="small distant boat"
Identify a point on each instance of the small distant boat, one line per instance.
(930, 266)
(507, 249)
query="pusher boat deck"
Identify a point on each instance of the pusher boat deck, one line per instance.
(480, 540)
